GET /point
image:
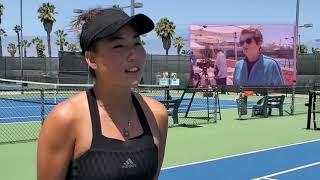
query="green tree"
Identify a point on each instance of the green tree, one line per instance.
(2, 33)
(165, 30)
(25, 44)
(72, 47)
(46, 14)
(302, 49)
(116, 6)
(178, 44)
(1, 11)
(185, 52)
(143, 42)
(12, 49)
(17, 29)
(61, 39)
(315, 51)
(40, 47)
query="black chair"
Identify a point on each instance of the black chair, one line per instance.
(261, 107)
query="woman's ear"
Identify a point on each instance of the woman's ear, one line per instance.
(90, 59)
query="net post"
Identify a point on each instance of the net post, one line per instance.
(240, 103)
(42, 105)
(55, 94)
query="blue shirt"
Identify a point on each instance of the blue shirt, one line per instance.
(265, 72)
(193, 59)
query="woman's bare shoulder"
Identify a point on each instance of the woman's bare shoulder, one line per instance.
(66, 112)
(156, 108)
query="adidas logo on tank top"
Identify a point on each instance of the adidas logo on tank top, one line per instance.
(128, 164)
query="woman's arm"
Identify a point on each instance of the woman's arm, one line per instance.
(162, 122)
(56, 144)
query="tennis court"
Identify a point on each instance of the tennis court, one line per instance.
(295, 161)
(276, 147)
(30, 109)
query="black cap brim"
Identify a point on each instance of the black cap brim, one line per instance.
(140, 22)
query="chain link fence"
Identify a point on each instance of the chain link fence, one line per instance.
(72, 68)
(22, 110)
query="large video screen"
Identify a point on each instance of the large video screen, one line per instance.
(244, 55)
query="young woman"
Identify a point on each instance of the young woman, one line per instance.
(108, 132)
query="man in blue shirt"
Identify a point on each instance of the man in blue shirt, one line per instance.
(256, 69)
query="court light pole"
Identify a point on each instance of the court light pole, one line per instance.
(21, 39)
(132, 6)
(318, 40)
(292, 108)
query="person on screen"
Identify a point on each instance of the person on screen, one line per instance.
(220, 69)
(256, 69)
(109, 131)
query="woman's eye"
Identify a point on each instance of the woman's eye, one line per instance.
(118, 46)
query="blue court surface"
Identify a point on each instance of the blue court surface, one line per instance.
(12, 111)
(200, 104)
(296, 161)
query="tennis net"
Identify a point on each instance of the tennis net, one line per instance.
(25, 104)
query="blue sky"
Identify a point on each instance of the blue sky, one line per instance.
(182, 13)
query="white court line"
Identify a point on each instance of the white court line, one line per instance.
(21, 117)
(286, 171)
(242, 154)
(10, 107)
(26, 122)
(269, 178)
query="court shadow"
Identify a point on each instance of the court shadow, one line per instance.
(199, 118)
(189, 125)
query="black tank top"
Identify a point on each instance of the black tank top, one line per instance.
(112, 159)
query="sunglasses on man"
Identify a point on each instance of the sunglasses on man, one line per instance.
(248, 41)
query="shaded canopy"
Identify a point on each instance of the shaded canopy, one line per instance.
(217, 34)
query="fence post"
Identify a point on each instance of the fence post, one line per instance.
(292, 99)
(151, 69)
(5, 67)
(215, 103)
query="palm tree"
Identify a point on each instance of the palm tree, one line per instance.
(25, 45)
(72, 47)
(46, 12)
(165, 30)
(61, 40)
(1, 11)
(12, 49)
(17, 29)
(40, 47)
(178, 43)
(2, 33)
